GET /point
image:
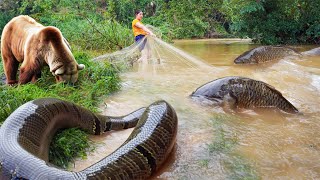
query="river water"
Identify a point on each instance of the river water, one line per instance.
(216, 142)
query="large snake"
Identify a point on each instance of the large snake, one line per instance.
(26, 134)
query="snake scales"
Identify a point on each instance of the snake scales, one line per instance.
(26, 134)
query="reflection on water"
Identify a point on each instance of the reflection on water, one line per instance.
(220, 143)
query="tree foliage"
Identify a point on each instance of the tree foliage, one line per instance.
(275, 21)
(83, 23)
(106, 24)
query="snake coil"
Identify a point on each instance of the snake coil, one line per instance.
(26, 134)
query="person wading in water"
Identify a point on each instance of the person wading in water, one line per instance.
(140, 31)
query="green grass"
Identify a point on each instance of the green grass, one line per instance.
(1, 71)
(204, 163)
(225, 142)
(68, 144)
(95, 82)
(88, 31)
(240, 169)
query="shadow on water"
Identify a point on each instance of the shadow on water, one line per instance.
(215, 142)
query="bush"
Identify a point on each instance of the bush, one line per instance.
(68, 144)
(2, 76)
(4, 19)
(89, 32)
(274, 22)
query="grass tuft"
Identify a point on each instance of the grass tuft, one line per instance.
(204, 163)
(95, 82)
(225, 142)
(68, 144)
(240, 169)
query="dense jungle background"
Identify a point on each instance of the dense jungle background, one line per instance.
(106, 24)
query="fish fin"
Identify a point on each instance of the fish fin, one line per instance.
(293, 109)
(272, 88)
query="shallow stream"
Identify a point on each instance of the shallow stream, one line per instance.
(216, 142)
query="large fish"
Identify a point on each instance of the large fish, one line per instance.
(312, 52)
(264, 54)
(244, 93)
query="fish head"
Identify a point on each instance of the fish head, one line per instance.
(245, 58)
(252, 56)
(213, 91)
(242, 60)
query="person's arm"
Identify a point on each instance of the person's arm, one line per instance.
(139, 25)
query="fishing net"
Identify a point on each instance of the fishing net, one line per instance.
(152, 50)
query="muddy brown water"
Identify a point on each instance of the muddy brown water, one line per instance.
(216, 142)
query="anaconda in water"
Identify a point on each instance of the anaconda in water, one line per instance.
(26, 134)
(264, 54)
(245, 93)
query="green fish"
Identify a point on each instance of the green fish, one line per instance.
(244, 93)
(264, 54)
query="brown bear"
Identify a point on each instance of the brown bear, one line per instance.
(25, 41)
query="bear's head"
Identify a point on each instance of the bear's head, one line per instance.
(59, 56)
(67, 72)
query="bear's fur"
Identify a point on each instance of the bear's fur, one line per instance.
(25, 41)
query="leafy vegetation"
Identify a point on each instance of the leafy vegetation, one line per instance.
(83, 23)
(274, 22)
(2, 77)
(68, 144)
(106, 24)
(96, 81)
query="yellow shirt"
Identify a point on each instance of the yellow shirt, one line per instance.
(137, 31)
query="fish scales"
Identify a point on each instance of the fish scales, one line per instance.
(246, 93)
(264, 54)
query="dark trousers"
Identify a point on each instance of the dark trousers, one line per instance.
(138, 40)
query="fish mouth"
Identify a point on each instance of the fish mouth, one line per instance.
(245, 61)
(239, 61)
(202, 97)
